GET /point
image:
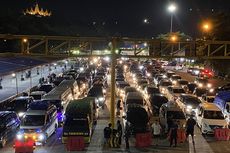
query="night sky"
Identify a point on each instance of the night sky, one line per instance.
(126, 16)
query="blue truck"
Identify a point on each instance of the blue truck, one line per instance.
(222, 100)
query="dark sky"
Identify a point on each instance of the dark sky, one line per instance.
(129, 14)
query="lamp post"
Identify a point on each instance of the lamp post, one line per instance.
(16, 81)
(172, 8)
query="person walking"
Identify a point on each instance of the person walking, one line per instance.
(173, 134)
(190, 128)
(119, 130)
(156, 128)
(127, 134)
(169, 123)
(107, 134)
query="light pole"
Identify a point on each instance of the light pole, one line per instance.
(16, 81)
(172, 8)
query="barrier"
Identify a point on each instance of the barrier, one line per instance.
(181, 135)
(143, 139)
(222, 134)
(75, 143)
(27, 146)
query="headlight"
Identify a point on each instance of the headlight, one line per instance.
(41, 137)
(189, 107)
(20, 114)
(209, 85)
(164, 76)
(174, 82)
(211, 90)
(101, 99)
(19, 136)
(200, 85)
(148, 74)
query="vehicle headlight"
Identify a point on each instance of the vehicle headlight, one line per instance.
(200, 85)
(209, 85)
(101, 99)
(148, 74)
(19, 136)
(189, 107)
(41, 137)
(20, 114)
(174, 82)
(164, 76)
(211, 90)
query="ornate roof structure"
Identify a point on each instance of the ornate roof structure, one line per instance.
(37, 11)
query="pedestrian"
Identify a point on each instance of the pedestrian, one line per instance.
(169, 123)
(173, 133)
(156, 130)
(190, 128)
(127, 134)
(107, 134)
(119, 130)
(118, 107)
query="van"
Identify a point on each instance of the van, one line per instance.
(134, 98)
(209, 117)
(39, 122)
(171, 111)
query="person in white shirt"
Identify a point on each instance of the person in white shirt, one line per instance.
(156, 130)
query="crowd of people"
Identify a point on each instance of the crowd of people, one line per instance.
(113, 137)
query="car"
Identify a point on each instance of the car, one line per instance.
(39, 122)
(181, 82)
(202, 82)
(172, 92)
(169, 74)
(171, 111)
(151, 90)
(200, 91)
(20, 104)
(9, 126)
(196, 71)
(163, 84)
(175, 78)
(155, 101)
(191, 87)
(37, 95)
(209, 116)
(97, 92)
(188, 103)
(206, 73)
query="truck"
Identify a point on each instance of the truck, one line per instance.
(222, 100)
(79, 119)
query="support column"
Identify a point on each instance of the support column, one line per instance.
(112, 86)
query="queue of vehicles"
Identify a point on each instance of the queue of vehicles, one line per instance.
(38, 114)
(177, 98)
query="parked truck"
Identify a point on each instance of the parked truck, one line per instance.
(222, 100)
(80, 118)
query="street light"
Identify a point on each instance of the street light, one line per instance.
(24, 40)
(206, 28)
(173, 38)
(172, 9)
(16, 81)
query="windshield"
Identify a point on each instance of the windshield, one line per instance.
(20, 105)
(153, 90)
(213, 115)
(33, 120)
(203, 81)
(183, 82)
(166, 83)
(95, 92)
(178, 91)
(192, 101)
(175, 114)
(37, 97)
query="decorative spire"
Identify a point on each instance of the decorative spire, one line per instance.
(37, 11)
